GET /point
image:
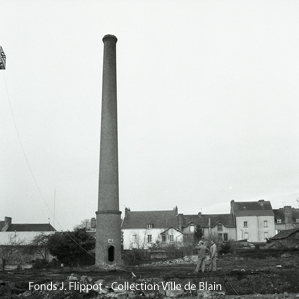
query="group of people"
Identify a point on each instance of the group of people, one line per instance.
(203, 253)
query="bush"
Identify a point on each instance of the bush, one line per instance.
(225, 248)
(134, 256)
(71, 247)
(40, 264)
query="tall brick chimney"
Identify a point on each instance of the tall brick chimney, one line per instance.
(108, 231)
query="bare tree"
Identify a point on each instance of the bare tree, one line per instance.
(84, 224)
(12, 251)
(39, 245)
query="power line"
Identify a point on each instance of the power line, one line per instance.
(30, 169)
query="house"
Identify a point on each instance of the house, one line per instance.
(286, 218)
(24, 232)
(254, 220)
(14, 235)
(220, 227)
(143, 229)
(287, 238)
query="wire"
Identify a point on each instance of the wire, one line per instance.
(21, 144)
(31, 172)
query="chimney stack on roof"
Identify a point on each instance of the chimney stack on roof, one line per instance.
(93, 223)
(7, 220)
(288, 215)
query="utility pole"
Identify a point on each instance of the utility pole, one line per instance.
(2, 59)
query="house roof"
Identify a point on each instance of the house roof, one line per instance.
(252, 208)
(285, 234)
(279, 214)
(159, 219)
(203, 220)
(31, 227)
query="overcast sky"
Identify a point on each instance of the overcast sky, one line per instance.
(208, 105)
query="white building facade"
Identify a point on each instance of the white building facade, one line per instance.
(146, 229)
(254, 220)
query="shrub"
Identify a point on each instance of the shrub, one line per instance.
(225, 248)
(40, 264)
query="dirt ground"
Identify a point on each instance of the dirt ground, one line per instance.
(236, 277)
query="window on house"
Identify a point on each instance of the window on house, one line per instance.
(149, 225)
(245, 224)
(191, 228)
(149, 238)
(266, 235)
(163, 238)
(246, 236)
(278, 220)
(219, 227)
(134, 238)
(265, 223)
(171, 238)
(225, 237)
(297, 220)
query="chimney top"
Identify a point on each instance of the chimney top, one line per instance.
(7, 220)
(110, 36)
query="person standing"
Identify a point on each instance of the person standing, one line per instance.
(213, 252)
(201, 264)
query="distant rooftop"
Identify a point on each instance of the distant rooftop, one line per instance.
(8, 226)
(203, 220)
(248, 208)
(285, 233)
(31, 227)
(159, 219)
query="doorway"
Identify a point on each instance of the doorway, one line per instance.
(111, 253)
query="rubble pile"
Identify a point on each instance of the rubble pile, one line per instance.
(84, 286)
(239, 277)
(185, 260)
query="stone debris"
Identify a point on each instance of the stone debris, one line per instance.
(185, 260)
(237, 275)
(72, 277)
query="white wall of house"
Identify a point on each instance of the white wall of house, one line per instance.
(141, 238)
(255, 228)
(220, 233)
(172, 236)
(144, 238)
(23, 238)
